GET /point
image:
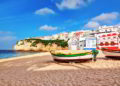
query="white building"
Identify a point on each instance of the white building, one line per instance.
(63, 36)
(87, 43)
(70, 35)
(105, 28)
(108, 40)
(54, 37)
(81, 43)
(90, 43)
(73, 43)
(47, 38)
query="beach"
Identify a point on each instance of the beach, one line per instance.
(41, 70)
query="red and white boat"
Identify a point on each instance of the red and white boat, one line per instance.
(112, 53)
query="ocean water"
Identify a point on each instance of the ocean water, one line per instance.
(13, 53)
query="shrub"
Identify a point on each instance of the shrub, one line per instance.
(61, 43)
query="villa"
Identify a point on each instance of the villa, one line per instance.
(78, 42)
(63, 36)
(104, 29)
(108, 40)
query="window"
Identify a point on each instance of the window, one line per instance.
(106, 43)
(101, 44)
(84, 43)
(108, 37)
(112, 43)
(103, 38)
(114, 37)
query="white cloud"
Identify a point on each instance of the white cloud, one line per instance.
(7, 42)
(117, 24)
(72, 4)
(5, 32)
(44, 11)
(46, 27)
(106, 17)
(7, 38)
(92, 24)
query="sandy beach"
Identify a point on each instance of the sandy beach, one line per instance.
(41, 70)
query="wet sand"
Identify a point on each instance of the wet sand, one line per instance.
(41, 70)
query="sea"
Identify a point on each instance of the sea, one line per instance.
(12, 53)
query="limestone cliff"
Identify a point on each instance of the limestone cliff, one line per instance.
(40, 45)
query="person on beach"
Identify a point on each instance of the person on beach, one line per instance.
(94, 53)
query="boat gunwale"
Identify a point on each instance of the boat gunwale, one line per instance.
(111, 50)
(71, 55)
(114, 51)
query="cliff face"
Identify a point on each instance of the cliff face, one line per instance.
(40, 45)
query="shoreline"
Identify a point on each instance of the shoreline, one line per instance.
(100, 55)
(23, 57)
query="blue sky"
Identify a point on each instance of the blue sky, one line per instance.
(21, 19)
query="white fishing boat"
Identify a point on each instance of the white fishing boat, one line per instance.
(72, 55)
(115, 54)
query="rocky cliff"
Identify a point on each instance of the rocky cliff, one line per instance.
(40, 45)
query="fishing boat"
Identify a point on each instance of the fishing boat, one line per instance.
(72, 55)
(111, 53)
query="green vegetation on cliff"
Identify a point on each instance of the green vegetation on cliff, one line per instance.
(34, 42)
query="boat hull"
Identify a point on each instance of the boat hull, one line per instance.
(75, 59)
(114, 55)
(73, 55)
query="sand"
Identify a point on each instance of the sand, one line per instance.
(41, 70)
(24, 57)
